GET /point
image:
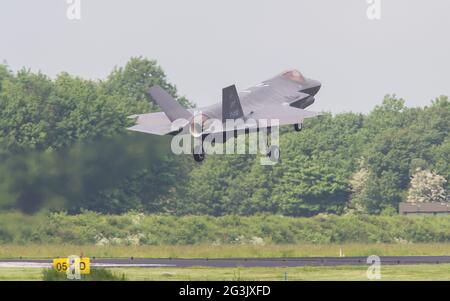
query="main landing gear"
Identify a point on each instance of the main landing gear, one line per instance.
(199, 153)
(273, 153)
(298, 127)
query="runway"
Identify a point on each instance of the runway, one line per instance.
(231, 262)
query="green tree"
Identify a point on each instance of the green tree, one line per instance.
(426, 187)
(131, 83)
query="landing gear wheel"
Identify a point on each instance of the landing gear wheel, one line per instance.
(273, 153)
(199, 157)
(298, 127)
(199, 154)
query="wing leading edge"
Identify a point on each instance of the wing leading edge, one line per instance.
(286, 114)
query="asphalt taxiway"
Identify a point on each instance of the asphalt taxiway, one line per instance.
(232, 262)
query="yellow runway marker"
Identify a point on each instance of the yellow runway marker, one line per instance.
(62, 264)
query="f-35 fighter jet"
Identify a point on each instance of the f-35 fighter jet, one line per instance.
(282, 98)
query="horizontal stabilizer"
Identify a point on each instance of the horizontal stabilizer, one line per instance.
(155, 123)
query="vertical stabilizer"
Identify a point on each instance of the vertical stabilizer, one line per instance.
(231, 105)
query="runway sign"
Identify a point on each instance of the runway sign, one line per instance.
(62, 264)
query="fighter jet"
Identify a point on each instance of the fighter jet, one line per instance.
(283, 98)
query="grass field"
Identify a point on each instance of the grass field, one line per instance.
(409, 272)
(353, 273)
(223, 251)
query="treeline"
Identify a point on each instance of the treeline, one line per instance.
(90, 228)
(63, 146)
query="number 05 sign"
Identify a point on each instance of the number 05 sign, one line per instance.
(73, 263)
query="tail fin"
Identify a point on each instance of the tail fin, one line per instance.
(170, 106)
(231, 105)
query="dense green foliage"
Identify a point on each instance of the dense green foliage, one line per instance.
(63, 146)
(317, 165)
(63, 143)
(139, 229)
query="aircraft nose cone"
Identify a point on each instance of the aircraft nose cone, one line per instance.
(317, 86)
(313, 87)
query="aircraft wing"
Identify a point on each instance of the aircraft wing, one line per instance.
(153, 123)
(284, 113)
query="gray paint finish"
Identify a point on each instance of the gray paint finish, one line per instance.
(281, 97)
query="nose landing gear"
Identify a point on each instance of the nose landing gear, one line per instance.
(298, 127)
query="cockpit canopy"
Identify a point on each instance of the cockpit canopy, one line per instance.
(294, 75)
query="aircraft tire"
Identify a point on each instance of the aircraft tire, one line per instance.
(298, 127)
(273, 153)
(199, 156)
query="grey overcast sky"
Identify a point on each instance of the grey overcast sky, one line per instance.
(205, 45)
